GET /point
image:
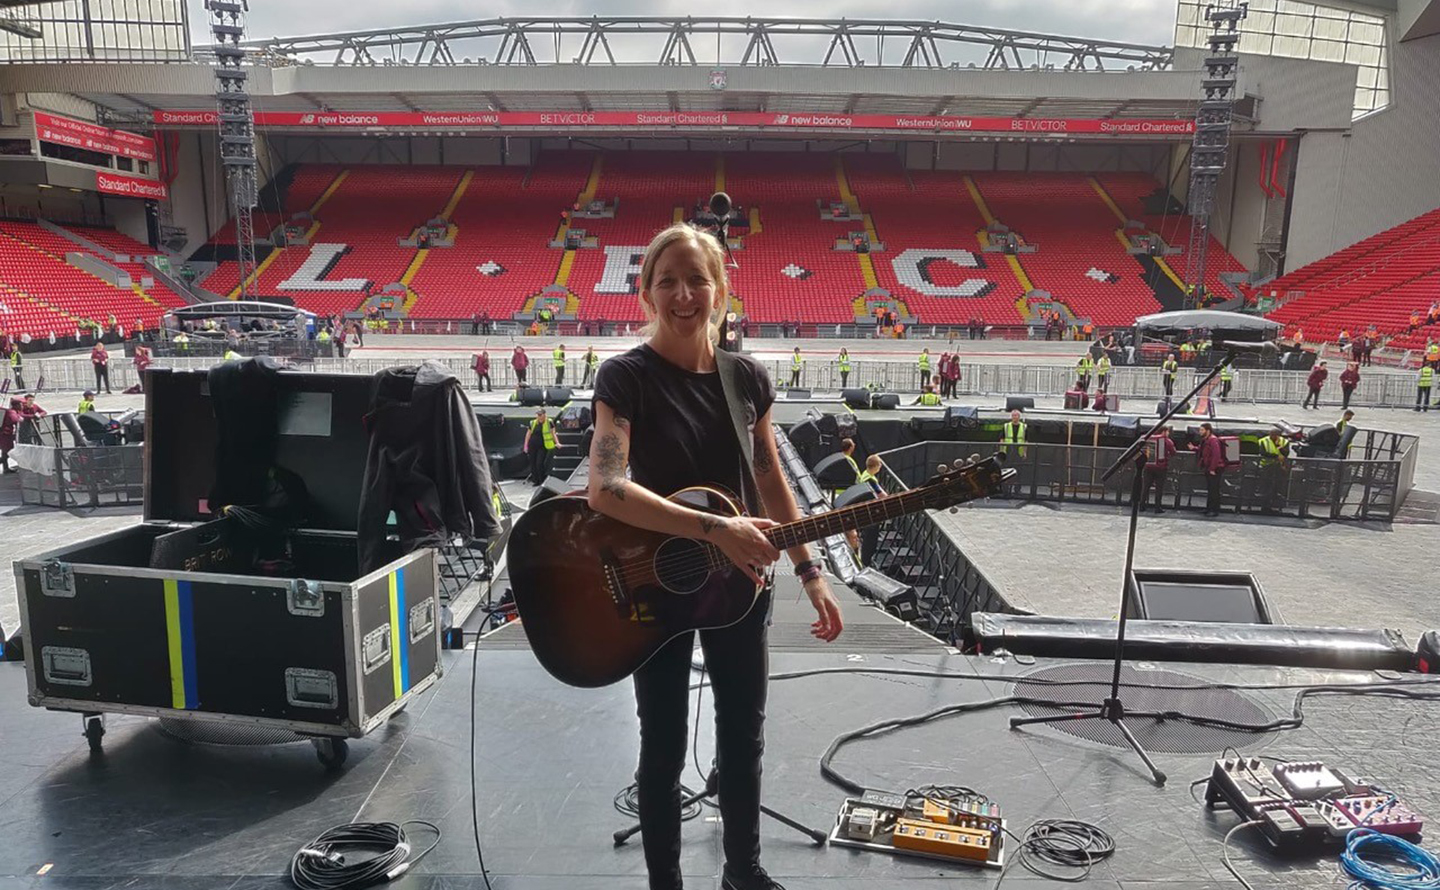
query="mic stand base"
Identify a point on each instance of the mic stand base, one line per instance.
(712, 790)
(1113, 711)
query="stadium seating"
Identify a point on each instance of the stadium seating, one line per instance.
(125, 245)
(1379, 281)
(1129, 190)
(504, 224)
(648, 187)
(931, 210)
(790, 270)
(1079, 259)
(32, 263)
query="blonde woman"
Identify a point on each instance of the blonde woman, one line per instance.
(661, 412)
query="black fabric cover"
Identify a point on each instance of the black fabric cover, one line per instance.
(1203, 641)
(246, 400)
(426, 462)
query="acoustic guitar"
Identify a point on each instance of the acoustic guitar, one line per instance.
(597, 598)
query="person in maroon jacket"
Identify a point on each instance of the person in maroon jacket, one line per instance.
(1158, 452)
(519, 361)
(100, 358)
(9, 427)
(482, 371)
(952, 376)
(1315, 381)
(1349, 379)
(1212, 464)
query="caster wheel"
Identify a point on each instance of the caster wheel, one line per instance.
(331, 752)
(94, 732)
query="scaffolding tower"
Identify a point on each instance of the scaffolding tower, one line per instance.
(1210, 149)
(236, 123)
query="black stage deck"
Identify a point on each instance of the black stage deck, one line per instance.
(152, 812)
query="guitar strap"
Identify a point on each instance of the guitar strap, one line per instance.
(729, 368)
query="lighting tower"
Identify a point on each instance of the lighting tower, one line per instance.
(237, 129)
(1211, 145)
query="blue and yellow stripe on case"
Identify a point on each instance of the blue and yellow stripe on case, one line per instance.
(399, 633)
(180, 634)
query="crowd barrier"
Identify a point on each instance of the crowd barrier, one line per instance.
(1370, 484)
(1384, 389)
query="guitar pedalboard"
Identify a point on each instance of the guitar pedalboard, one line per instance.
(965, 830)
(1306, 804)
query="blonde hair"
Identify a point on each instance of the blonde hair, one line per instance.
(714, 264)
(872, 463)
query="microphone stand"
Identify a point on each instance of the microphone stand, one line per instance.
(1113, 709)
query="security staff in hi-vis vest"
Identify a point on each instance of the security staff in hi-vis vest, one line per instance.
(844, 362)
(1422, 387)
(1083, 369)
(1274, 461)
(797, 367)
(1012, 436)
(1102, 372)
(1227, 379)
(924, 363)
(1168, 370)
(540, 444)
(929, 398)
(559, 356)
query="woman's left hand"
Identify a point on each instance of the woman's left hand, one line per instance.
(829, 624)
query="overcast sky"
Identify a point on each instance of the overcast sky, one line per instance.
(1129, 21)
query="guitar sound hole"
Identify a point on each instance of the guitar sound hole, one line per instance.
(681, 565)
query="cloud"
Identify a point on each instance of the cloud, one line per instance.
(1126, 21)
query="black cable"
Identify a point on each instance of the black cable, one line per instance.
(627, 803)
(322, 864)
(474, 796)
(1063, 843)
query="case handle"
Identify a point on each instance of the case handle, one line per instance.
(305, 598)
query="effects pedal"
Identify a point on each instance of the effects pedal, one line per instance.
(1383, 813)
(1311, 780)
(1245, 784)
(864, 824)
(1336, 821)
(950, 841)
(884, 800)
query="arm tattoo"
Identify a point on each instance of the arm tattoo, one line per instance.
(610, 464)
(709, 524)
(764, 461)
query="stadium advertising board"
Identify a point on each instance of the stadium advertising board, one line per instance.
(351, 120)
(92, 137)
(130, 186)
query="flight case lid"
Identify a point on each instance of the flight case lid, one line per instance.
(322, 441)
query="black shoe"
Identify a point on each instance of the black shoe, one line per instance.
(1158, 511)
(753, 878)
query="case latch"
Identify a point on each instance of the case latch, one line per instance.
(57, 578)
(305, 598)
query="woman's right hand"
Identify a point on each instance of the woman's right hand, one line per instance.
(742, 539)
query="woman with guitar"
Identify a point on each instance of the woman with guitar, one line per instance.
(661, 410)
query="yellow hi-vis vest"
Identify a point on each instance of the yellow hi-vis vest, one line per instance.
(1013, 434)
(929, 398)
(559, 356)
(547, 432)
(844, 364)
(1427, 376)
(924, 361)
(1269, 452)
(1170, 367)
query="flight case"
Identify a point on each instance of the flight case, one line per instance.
(186, 617)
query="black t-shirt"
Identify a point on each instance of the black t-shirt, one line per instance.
(680, 428)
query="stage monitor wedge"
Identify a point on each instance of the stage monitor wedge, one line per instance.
(1021, 403)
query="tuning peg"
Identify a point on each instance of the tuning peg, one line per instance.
(942, 469)
(974, 458)
(959, 464)
(954, 510)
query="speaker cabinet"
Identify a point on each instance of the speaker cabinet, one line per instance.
(1021, 403)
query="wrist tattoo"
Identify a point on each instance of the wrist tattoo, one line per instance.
(709, 523)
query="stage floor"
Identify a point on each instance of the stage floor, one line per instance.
(153, 812)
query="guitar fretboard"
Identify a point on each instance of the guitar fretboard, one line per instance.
(813, 528)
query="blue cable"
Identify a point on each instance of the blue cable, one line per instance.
(1420, 868)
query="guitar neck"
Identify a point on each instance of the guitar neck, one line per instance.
(813, 528)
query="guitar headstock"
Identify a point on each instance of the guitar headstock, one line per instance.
(963, 480)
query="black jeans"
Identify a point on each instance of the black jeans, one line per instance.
(1225, 390)
(482, 381)
(844, 379)
(924, 379)
(1345, 392)
(1212, 492)
(560, 376)
(541, 459)
(1169, 384)
(102, 375)
(794, 378)
(738, 661)
(1312, 396)
(1422, 393)
(1154, 476)
(519, 376)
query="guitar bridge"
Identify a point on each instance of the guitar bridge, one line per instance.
(616, 589)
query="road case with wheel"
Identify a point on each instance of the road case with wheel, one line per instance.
(239, 619)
